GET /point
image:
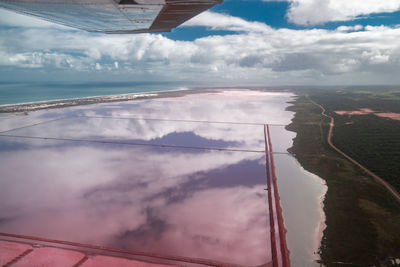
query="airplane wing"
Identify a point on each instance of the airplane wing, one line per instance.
(113, 16)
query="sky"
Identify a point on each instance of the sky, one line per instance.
(239, 42)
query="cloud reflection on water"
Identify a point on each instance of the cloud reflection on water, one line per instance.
(105, 194)
(196, 203)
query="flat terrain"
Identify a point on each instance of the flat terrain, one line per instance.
(362, 217)
(183, 178)
(372, 140)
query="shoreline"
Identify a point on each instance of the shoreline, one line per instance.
(96, 96)
(321, 223)
(70, 102)
(350, 194)
(320, 226)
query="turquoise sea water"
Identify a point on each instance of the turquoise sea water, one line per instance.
(14, 93)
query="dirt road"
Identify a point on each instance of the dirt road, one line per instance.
(329, 140)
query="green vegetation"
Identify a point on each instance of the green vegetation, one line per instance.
(363, 219)
(371, 140)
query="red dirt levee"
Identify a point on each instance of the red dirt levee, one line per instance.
(283, 260)
(104, 261)
(13, 253)
(50, 257)
(10, 250)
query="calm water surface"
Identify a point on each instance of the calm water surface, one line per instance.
(162, 175)
(15, 93)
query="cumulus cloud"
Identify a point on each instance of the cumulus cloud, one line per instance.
(350, 28)
(254, 53)
(312, 12)
(217, 21)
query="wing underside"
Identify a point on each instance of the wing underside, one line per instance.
(113, 16)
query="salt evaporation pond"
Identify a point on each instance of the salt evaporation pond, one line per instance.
(181, 176)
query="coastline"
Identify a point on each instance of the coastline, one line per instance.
(319, 228)
(32, 106)
(61, 103)
(80, 101)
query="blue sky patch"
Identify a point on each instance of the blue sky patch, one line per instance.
(274, 15)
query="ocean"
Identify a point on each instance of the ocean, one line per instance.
(16, 93)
